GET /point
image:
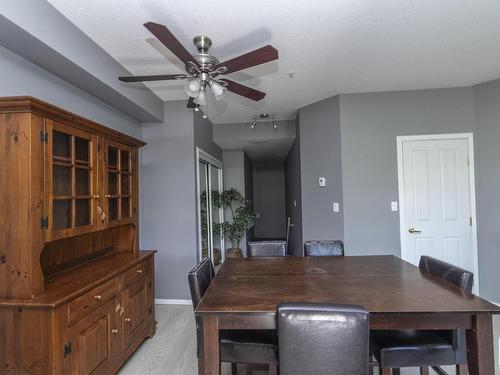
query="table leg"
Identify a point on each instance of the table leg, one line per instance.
(211, 355)
(480, 355)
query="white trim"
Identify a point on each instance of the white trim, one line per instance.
(160, 301)
(495, 303)
(472, 180)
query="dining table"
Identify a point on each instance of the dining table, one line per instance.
(245, 294)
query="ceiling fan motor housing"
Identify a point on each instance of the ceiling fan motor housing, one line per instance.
(206, 62)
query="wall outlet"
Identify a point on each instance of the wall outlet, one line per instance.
(322, 181)
(394, 206)
(336, 207)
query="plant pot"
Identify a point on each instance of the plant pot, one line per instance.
(234, 253)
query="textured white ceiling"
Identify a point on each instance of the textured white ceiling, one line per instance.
(333, 46)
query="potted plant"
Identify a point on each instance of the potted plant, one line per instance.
(241, 219)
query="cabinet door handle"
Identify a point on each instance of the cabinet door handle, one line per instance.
(128, 320)
(96, 196)
(98, 297)
(107, 196)
(114, 331)
(139, 271)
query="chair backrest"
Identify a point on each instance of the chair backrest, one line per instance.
(324, 248)
(447, 272)
(319, 339)
(267, 248)
(461, 278)
(199, 279)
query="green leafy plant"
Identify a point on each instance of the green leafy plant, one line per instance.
(242, 217)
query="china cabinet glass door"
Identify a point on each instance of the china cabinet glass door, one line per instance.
(118, 183)
(211, 241)
(72, 179)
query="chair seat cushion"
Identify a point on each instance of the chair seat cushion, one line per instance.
(248, 346)
(395, 349)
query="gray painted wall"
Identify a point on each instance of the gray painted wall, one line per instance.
(19, 77)
(203, 135)
(487, 153)
(249, 189)
(369, 126)
(293, 194)
(320, 155)
(168, 199)
(269, 200)
(38, 32)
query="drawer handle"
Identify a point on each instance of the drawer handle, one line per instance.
(114, 331)
(128, 320)
(139, 271)
(98, 297)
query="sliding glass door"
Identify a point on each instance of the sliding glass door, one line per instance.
(209, 175)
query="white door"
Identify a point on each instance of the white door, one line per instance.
(436, 202)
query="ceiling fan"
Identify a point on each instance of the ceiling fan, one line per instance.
(205, 71)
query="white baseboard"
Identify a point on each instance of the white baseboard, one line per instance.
(160, 301)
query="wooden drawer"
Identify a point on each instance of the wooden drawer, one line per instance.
(142, 270)
(90, 301)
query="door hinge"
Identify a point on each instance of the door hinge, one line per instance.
(44, 222)
(67, 349)
(44, 137)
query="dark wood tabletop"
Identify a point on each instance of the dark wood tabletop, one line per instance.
(382, 284)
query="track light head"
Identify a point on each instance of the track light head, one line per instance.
(254, 122)
(275, 124)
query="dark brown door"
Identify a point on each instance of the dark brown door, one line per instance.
(94, 341)
(137, 301)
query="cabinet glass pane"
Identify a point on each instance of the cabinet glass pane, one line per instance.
(216, 219)
(82, 214)
(112, 157)
(125, 182)
(125, 208)
(61, 180)
(113, 183)
(113, 209)
(62, 214)
(82, 150)
(82, 182)
(61, 145)
(125, 161)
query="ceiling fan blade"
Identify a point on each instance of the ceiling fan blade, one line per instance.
(243, 90)
(170, 41)
(165, 77)
(191, 103)
(257, 57)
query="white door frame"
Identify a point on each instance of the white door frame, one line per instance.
(202, 155)
(472, 181)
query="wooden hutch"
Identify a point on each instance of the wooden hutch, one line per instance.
(76, 294)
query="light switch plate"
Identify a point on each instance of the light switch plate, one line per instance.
(295, 203)
(336, 207)
(322, 181)
(394, 206)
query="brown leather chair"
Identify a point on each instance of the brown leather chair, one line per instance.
(424, 349)
(246, 346)
(267, 248)
(323, 248)
(319, 339)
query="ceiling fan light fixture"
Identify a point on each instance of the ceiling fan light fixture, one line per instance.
(192, 87)
(201, 99)
(217, 90)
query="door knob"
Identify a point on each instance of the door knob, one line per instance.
(413, 230)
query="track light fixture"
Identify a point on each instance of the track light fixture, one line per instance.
(275, 124)
(254, 122)
(263, 117)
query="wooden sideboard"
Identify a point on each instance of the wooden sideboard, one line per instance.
(76, 293)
